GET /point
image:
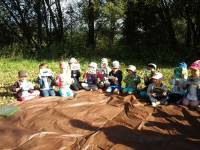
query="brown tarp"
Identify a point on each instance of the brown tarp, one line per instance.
(94, 121)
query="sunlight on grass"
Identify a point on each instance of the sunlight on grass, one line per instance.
(10, 67)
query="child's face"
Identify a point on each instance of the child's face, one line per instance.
(156, 81)
(92, 70)
(22, 78)
(103, 65)
(129, 72)
(42, 67)
(195, 73)
(114, 69)
(150, 68)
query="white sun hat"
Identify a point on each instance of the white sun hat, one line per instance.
(104, 60)
(152, 65)
(115, 64)
(132, 68)
(93, 64)
(72, 60)
(157, 76)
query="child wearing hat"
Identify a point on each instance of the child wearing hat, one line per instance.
(64, 80)
(23, 89)
(46, 81)
(91, 78)
(132, 80)
(150, 70)
(178, 81)
(157, 91)
(75, 74)
(192, 97)
(115, 78)
(148, 73)
(103, 73)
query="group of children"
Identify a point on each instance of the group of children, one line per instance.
(186, 89)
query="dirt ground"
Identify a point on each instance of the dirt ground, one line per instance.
(95, 121)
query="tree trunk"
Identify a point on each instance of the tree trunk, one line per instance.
(38, 6)
(129, 24)
(91, 33)
(60, 21)
(167, 21)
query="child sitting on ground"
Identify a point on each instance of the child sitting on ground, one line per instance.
(46, 81)
(192, 97)
(75, 74)
(157, 91)
(115, 78)
(103, 72)
(132, 80)
(90, 78)
(64, 80)
(148, 73)
(178, 81)
(23, 89)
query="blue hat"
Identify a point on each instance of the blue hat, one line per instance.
(182, 65)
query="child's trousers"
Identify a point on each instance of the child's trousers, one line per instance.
(113, 88)
(29, 95)
(46, 93)
(129, 90)
(65, 92)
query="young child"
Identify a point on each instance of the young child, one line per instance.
(46, 81)
(103, 73)
(132, 80)
(192, 97)
(23, 89)
(64, 80)
(148, 73)
(91, 78)
(115, 78)
(178, 81)
(157, 91)
(75, 74)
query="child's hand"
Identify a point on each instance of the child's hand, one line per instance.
(18, 89)
(115, 79)
(154, 94)
(164, 94)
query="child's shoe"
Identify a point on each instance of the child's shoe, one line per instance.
(109, 90)
(155, 104)
(116, 91)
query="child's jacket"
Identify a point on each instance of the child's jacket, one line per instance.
(193, 89)
(132, 81)
(26, 87)
(118, 75)
(75, 74)
(178, 86)
(91, 79)
(63, 81)
(158, 91)
(46, 83)
(147, 76)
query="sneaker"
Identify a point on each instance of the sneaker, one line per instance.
(155, 104)
(198, 107)
(116, 91)
(109, 90)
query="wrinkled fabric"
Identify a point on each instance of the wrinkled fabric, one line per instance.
(95, 121)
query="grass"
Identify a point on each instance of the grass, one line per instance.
(10, 67)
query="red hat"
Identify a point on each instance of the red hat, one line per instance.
(195, 65)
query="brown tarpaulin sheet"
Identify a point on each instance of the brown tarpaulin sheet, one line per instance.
(94, 121)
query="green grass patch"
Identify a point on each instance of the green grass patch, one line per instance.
(10, 68)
